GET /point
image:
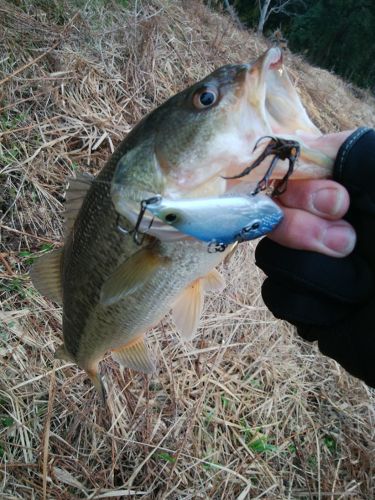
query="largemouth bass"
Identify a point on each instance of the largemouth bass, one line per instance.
(113, 289)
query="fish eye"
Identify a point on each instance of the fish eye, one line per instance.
(205, 97)
(256, 225)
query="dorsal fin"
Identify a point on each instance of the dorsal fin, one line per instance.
(74, 196)
(46, 275)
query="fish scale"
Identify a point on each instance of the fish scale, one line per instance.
(96, 228)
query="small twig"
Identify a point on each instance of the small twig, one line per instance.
(47, 240)
(52, 394)
(14, 465)
(303, 468)
(6, 265)
(29, 127)
(25, 66)
(13, 105)
(233, 14)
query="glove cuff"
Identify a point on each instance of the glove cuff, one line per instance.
(354, 165)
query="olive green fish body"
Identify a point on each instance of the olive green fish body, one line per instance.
(108, 327)
(94, 250)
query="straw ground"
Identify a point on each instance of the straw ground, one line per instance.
(247, 410)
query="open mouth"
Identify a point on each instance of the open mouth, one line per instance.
(274, 58)
(285, 122)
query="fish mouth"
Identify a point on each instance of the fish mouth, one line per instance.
(288, 118)
(280, 113)
(257, 75)
(272, 59)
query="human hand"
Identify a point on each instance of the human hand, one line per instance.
(313, 211)
(330, 300)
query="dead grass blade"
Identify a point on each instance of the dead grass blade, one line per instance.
(247, 410)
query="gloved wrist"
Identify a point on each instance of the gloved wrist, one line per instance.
(332, 300)
(354, 166)
(355, 170)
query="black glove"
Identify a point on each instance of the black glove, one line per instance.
(332, 300)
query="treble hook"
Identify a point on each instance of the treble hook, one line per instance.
(119, 228)
(281, 149)
(136, 232)
(216, 246)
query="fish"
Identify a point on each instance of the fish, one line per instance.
(220, 220)
(112, 287)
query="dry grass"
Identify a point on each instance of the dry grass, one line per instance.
(248, 410)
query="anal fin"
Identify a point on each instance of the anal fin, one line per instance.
(46, 275)
(134, 355)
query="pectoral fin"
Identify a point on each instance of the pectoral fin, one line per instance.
(131, 275)
(188, 307)
(187, 310)
(134, 355)
(46, 275)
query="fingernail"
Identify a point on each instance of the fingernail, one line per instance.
(339, 238)
(328, 201)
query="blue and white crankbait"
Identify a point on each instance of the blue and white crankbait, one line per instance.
(220, 220)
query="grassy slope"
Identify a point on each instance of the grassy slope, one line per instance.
(248, 410)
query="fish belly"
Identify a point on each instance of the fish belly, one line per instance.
(110, 327)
